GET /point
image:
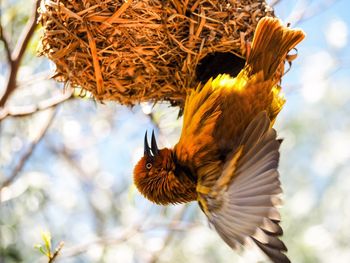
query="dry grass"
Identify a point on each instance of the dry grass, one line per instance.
(142, 50)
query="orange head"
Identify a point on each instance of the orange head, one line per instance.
(160, 179)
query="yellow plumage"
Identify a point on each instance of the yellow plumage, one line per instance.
(227, 155)
(217, 113)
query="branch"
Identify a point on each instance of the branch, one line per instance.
(16, 57)
(29, 151)
(5, 41)
(21, 111)
(104, 241)
(138, 228)
(309, 11)
(274, 2)
(56, 253)
(169, 237)
(26, 34)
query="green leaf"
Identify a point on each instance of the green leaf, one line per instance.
(46, 236)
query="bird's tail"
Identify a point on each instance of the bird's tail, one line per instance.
(271, 43)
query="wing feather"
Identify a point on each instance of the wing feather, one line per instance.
(202, 109)
(247, 208)
(261, 179)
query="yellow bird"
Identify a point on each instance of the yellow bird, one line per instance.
(227, 156)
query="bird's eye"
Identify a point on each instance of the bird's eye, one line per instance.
(148, 166)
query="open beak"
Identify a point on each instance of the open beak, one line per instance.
(154, 146)
(153, 150)
(146, 149)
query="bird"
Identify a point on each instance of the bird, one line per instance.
(227, 155)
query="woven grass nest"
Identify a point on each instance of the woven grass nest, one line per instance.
(132, 51)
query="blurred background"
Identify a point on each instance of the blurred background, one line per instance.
(66, 162)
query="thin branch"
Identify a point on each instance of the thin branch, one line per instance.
(34, 78)
(21, 111)
(5, 41)
(26, 34)
(76, 250)
(16, 171)
(85, 182)
(169, 237)
(274, 2)
(56, 253)
(104, 241)
(18, 53)
(309, 11)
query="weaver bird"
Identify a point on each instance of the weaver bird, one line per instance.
(228, 154)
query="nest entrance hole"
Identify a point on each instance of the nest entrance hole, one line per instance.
(219, 63)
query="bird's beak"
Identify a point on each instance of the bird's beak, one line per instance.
(146, 149)
(152, 151)
(154, 146)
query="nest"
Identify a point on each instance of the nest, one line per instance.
(146, 50)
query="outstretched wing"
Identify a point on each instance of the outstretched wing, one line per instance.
(242, 204)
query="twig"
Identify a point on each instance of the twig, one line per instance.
(309, 11)
(5, 41)
(16, 56)
(109, 241)
(274, 2)
(170, 235)
(21, 111)
(26, 34)
(85, 183)
(56, 253)
(16, 171)
(105, 241)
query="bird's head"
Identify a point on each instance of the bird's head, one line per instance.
(158, 177)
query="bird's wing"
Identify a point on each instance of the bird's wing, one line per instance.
(202, 109)
(242, 204)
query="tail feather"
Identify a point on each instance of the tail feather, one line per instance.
(271, 43)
